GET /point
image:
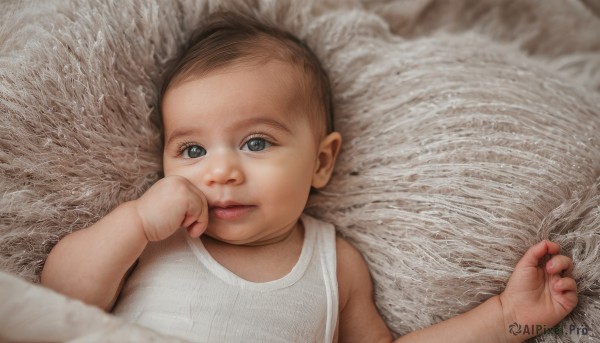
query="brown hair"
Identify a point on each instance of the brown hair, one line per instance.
(229, 37)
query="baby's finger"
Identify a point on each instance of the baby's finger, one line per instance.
(196, 206)
(196, 229)
(200, 201)
(537, 252)
(199, 214)
(566, 293)
(559, 263)
(565, 284)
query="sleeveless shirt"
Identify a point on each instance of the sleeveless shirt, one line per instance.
(178, 289)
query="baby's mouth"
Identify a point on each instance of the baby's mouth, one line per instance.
(229, 210)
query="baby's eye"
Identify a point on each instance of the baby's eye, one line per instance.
(256, 144)
(193, 151)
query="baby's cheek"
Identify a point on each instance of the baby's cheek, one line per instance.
(288, 182)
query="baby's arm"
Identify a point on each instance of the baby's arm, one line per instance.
(534, 295)
(91, 264)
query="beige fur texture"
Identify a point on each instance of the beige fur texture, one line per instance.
(470, 133)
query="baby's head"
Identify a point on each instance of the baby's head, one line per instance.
(230, 40)
(247, 119)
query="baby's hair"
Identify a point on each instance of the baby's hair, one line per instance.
(227, 38)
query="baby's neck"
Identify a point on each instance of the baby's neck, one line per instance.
(260, 261)
(283, 238)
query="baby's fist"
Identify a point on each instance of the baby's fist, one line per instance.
(171, 203)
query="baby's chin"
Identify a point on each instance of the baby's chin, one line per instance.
(231, 237)
(240, 237)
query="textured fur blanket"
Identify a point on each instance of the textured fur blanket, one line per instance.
(471, 132)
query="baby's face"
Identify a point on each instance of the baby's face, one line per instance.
(242, 136)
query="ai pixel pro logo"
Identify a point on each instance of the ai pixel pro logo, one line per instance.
(539, 329)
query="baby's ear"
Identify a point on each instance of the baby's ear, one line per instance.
(329, 149)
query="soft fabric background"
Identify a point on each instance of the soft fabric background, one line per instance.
(470, 127)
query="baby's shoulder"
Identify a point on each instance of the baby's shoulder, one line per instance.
(352, 270)
(345, 251)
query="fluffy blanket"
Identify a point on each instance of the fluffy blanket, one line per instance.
(471, 132)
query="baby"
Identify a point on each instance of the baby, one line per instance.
(219, 250)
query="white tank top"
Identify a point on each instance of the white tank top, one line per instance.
(178, 289)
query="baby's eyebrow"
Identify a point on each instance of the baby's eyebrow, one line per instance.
(182, 133)
(250, 122)
(257, 121)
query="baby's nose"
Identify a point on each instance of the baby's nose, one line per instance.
(223, 169)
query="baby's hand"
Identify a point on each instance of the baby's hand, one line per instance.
(171, 203)
(540, 293)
